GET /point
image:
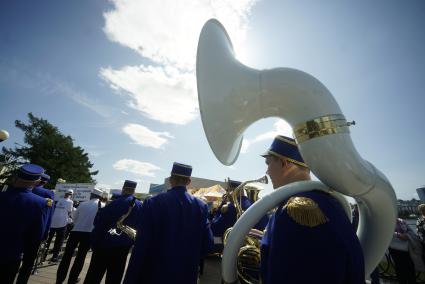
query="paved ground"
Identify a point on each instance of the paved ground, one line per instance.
(47, 274)
(212, 273)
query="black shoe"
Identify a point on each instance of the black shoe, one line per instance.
(54, 259)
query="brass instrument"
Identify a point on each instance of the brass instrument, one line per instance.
(245, 95)
(129, 231)
(248, 260)
(252, 193)
(226, 196)
(236, 194)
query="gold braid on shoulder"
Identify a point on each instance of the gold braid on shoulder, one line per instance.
(305, 212)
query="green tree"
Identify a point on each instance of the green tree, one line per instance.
(48, 147)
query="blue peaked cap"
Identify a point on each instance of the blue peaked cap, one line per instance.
(115, 195)
(181, 170)
(129, 184)
(234, 183)
(45, 177)
(30, 172)
(287, 148)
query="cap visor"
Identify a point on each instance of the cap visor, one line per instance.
(266, 154)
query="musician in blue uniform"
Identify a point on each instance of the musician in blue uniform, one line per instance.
(22, 220)
(174, 235)
(226, 216)
(49, 195)
(115, 196)
(109, 244)
(309, 238)
(30, 256)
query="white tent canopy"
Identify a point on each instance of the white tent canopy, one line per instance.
(212, 193)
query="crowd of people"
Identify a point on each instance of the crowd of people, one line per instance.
(308, 238)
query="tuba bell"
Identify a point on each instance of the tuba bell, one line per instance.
(246, 95)
(252, 192)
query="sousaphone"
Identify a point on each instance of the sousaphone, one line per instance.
(245, 95)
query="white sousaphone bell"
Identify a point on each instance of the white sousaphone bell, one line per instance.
(245, 95)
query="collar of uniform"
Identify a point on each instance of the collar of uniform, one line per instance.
(179, 187)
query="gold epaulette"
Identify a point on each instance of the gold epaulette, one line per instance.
(305, 211)
(49, 202)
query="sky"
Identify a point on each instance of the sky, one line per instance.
(119, 77)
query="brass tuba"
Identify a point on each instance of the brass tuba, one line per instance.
(248, 260)
(245, 95)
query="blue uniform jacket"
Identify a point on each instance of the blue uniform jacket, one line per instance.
(223, 221)
(45, 193)
(174, 235)
(328, 253)
(22, 222)
(106, 219)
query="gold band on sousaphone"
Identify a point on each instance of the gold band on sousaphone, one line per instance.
(248, 260)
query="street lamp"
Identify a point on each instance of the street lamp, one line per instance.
(3, 135)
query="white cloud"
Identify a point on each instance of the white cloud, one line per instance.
(280, 127)
(162, 94)
(145, 137)
(166, 33)
(136, 167)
